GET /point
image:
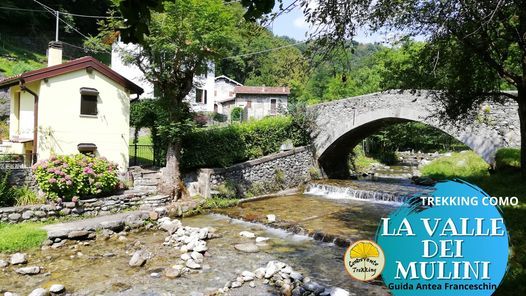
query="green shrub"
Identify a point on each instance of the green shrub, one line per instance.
(4, 129)
(219, 117)
(466, 164)
(508, 159)
(7, 192)
(227, 190)
(358, 161)
(224, 146)
(236, 114)
(314, 173)
(76, 175)
(26, 196)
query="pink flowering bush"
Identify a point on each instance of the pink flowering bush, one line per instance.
(71, 176)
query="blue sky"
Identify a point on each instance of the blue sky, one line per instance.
(293, 25)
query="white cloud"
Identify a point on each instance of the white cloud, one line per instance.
(300, 23)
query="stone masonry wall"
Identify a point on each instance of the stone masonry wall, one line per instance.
(89, 207)
(289, 168)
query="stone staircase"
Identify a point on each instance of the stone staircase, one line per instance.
(146, 180)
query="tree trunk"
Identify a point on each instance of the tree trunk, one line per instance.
(171, 177)
(522, 118)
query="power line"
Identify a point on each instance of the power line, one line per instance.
(61, 12)
(56, 13)
(22, 9)
(266, 50)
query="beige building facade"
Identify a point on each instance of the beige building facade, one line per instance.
(76, 107)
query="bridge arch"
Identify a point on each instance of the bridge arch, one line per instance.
(341, 125)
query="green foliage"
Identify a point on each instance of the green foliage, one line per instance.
(26, 196)
(7, 192)
(218, 117)
(77, 175)
(459, 165)
(222, 147)
(508, 159)
(284, 67)
(4, 129)
(20, 237)
(314, 173)
(227, 190)
(410, 135)
(236, 114)
(358, 161)
(220, 203)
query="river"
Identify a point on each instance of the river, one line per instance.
(310, 234)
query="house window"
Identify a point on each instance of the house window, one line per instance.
(88, 101)
(201, 96)
(273, 106)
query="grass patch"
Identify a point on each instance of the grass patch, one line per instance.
(16, 60)
(508, 159)
(20, 237)
(465, 164)
(220, 203)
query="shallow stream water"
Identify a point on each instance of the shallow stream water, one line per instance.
(90, 273)
(334, 213)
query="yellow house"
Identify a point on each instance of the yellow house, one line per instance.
(67, 108)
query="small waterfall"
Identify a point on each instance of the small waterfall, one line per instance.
(346, 192)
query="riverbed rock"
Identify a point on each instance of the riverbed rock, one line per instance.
(296, 276)
(78, 234)
(271, 269)
(261, 239)
(236, 284)
(247, 247)
(57, 289)
(247, 276)
(29, 270)
(260, 272)
(338, 292)
(172, 272)
(18, 258)
(197, 256)
(185, 257)
(3, 263)
(271, 218)
(39, 292)
(138, 259)
(200, 247)
(115, 226)
(10, 294)
(170, 226)
(247, 234)
(190, 263)
(314, 287)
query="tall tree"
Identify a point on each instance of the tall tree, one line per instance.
(479, 45)
(182, 39)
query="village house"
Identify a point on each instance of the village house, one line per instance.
(210, 93)
(80, 106)
(258, 101)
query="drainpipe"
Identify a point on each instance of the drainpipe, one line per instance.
(35, 121)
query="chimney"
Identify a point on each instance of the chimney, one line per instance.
(54, 53)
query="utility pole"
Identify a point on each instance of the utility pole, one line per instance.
(56, 25)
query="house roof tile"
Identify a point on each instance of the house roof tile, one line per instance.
(71, 66)
(258, 90)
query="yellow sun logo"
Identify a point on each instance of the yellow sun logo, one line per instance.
(364, 260)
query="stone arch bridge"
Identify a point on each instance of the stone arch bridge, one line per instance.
(340, 125)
